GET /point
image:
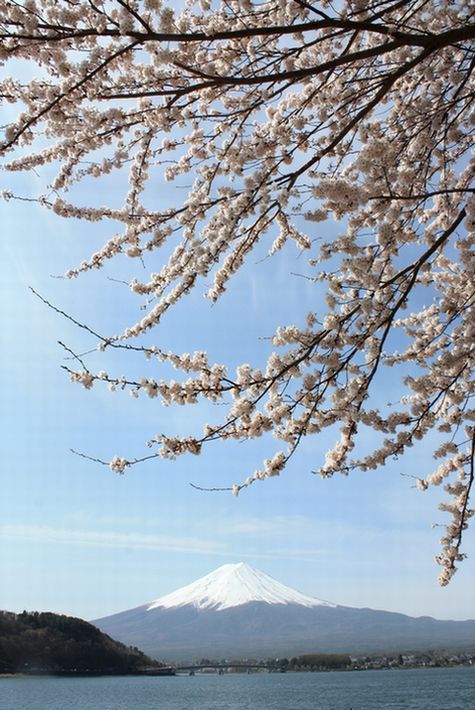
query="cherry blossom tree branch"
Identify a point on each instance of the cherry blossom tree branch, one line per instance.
(282, 119)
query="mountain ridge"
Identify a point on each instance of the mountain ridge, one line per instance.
(198, 620)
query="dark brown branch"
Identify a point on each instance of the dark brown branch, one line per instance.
(427, 254)
(407, 38)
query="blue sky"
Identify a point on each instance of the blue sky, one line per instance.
(77, 539)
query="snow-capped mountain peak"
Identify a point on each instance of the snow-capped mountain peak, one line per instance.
(233, 585)
(214, 618)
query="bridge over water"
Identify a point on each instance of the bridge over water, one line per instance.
(224, 667)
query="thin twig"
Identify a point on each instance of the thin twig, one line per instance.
(202, 488)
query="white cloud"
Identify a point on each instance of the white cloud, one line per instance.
(95, 538)
(220, 546)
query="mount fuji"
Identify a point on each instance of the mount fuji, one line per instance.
(234, 585)
(238, 611)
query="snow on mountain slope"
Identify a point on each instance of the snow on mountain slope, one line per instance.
(240, 612)
(232, 585)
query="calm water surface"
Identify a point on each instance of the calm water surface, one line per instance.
(421, 689)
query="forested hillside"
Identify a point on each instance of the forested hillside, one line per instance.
(43, 641)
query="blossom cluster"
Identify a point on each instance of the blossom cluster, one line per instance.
(281, 116)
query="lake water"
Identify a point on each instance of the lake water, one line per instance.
(419, 689)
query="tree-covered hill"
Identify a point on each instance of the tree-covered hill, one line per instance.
(43, 641)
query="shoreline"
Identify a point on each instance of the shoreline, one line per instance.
(88, 674)
(171, 672)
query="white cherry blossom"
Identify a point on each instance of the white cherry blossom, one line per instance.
(284, 115)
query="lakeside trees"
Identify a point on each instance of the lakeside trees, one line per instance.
(284, 116)
(43, 641)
